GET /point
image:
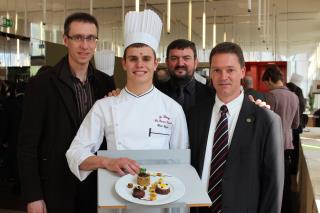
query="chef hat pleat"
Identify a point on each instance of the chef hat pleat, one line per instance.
(142, 27)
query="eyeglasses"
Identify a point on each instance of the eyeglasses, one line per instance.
(81, 38)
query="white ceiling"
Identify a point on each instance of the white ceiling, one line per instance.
(294, 25)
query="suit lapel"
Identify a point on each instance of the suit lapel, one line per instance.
(65, 88)
(242, 135)
(198, 92)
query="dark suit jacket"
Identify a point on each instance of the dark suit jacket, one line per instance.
(254, 172)
(202, 92)
(48, 126)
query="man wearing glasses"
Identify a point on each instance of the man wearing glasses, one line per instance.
(56, 102)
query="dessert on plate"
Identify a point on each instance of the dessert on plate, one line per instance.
(162, 188)
(143, 178)
(138, 192)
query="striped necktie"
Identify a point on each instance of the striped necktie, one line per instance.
(219, 156)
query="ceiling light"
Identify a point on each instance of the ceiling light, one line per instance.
(190, 21)
(18, 52)
(214, 30)
(259, 14)
(137, 5)
(204, 25)
(214, 34)
(168, 15)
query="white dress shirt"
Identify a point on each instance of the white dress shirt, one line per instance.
(129, 122)
(233, 113)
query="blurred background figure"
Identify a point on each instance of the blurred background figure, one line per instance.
(161, 76)
(200, 78)
(296, 132)
(104, 61)
(11, 109)
(247, 83)
(286, 104)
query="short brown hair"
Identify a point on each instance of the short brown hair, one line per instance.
(80, 17)
(182, 44)
(272, 73)
(228, 47)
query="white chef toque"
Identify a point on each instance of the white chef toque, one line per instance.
(104, 61)
(142, 27)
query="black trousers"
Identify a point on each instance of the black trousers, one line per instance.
(295, 152)
(286, 199)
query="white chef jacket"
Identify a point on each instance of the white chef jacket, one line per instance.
(129, 122)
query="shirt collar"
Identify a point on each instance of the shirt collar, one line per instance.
(233, 105)
(90, 74)
(138, 96)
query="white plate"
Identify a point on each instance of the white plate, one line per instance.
(177, 190)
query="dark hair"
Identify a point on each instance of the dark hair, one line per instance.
(137, 45)
(228, 47)
(80, 17)
(272, 73)
(182, 44)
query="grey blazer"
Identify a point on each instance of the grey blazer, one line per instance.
(254, 173)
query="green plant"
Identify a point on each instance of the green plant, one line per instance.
(311, 101)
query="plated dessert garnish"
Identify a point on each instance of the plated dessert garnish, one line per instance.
(138, 192)
(145, 190)
(162, 189)
(143, 178)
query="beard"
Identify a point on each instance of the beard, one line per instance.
(181, 80)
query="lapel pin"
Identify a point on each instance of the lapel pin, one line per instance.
(248, 120)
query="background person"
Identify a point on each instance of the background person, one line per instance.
(286, 104)
(296, 132)
(182, 62)
(248, 89)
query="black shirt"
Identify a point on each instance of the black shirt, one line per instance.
(83, 92)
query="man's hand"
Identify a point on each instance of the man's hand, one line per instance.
(121, 165)
(115, 92)
(259, 102)
(38, 206)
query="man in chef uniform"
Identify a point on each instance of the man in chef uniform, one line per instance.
(140, 118)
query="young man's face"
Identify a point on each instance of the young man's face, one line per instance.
(140, 65)
(181, 63)
(81, 50)
(226, 75)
